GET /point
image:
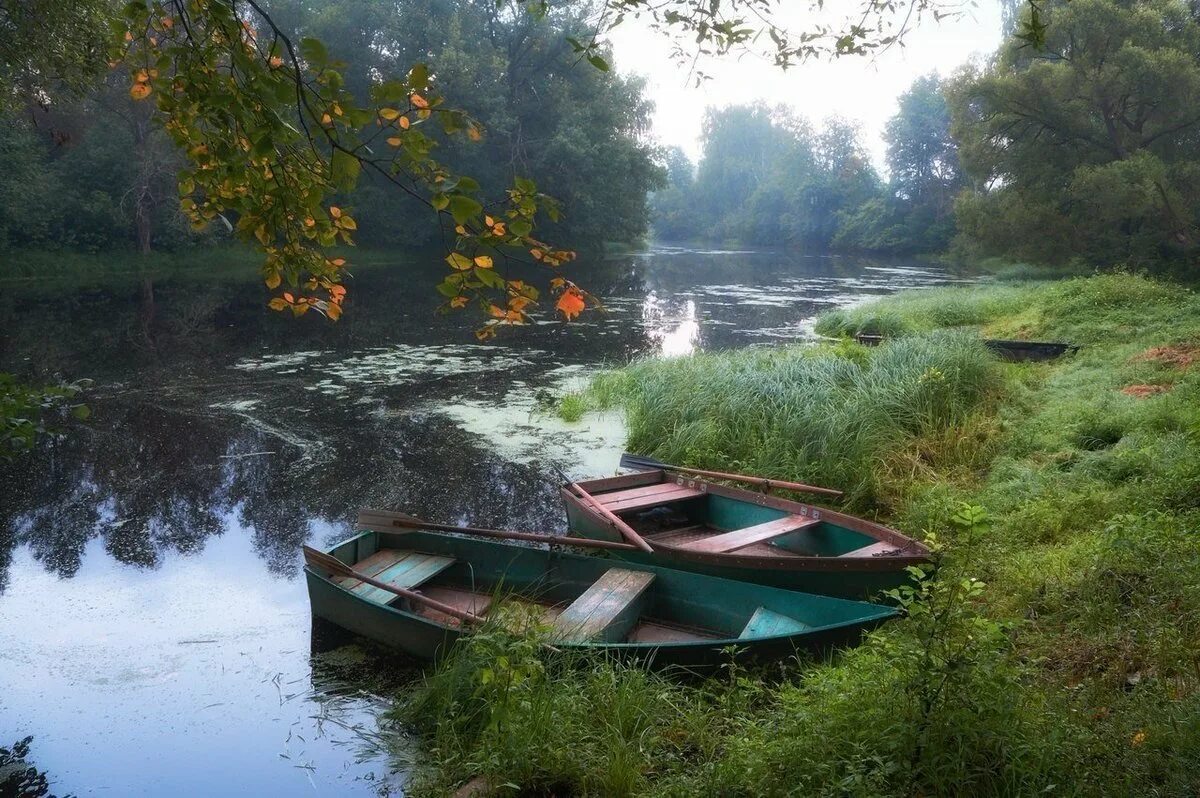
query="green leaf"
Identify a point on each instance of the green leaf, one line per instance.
(439, 201)
(81, 412)
(463, 208)
(447, 289)
(418, 76)
(598, 62)
(520, 227)
(314, 51)
(489, 278)
(345, 169)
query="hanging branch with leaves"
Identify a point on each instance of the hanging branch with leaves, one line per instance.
(273, 136)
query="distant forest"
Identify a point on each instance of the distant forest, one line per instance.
(96, 174)
(1087, 150)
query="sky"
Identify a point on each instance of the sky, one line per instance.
(859, 88)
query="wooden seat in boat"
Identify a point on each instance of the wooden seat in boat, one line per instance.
(873, 550)
(748, 536)
(399, 567)
(765, 623)
(621, 501)
(607, 610)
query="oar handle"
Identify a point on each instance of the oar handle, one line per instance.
(388, 521)
(332, 564)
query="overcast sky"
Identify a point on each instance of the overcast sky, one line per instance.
(858, 88)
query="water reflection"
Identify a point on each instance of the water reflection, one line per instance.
(151, 618)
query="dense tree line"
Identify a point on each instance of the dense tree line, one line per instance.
(1087, 149)
(94, 173)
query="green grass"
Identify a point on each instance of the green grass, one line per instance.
(1075, 671)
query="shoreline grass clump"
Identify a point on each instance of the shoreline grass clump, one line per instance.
(1053, 651)
(828, 416)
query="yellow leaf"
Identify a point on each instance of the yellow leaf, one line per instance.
(346, 223)
(395, 141)
(462, 231)
(389, 113)
(458, 302)
(333, 311)
(418, 101)
(458, 261)
(139, 91)
(403, 122)
(273, 280)
(537, 253)
(326, 120)
(278, 303)
(141, 76)
(335, 211)
(484, 262)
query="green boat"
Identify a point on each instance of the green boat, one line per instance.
(688, 523)
(448, 583)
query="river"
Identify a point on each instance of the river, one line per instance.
(155, 637)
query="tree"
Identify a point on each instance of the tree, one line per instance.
(1091, 148)
(214, 66)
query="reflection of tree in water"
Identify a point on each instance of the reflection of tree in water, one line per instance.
(160, 480)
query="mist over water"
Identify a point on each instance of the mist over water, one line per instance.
(154, 628)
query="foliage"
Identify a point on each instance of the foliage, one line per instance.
(767, 177)
(26, 412)
(1090, 148)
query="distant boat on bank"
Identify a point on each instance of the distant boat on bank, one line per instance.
(1015, 351)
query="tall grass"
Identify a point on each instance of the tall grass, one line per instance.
(1075, 672)
(803, 414)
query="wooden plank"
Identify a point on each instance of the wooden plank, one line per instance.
(590, 503)
(371, 566)
(408, 573)
(873, 550)
(651, 632)
(748, 536)
(765, 623)
(464, 600)
(636, 493)
(604, 607)
(677, 494)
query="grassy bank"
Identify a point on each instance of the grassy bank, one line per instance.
(1055, 652)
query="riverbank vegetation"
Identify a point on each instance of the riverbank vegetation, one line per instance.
(1085, 151)
(1051, 653)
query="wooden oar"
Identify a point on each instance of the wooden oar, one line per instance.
(647, 464)
(335, 566)
(387, 521)
(625, 529)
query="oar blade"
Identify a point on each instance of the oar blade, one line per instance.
(638, 462)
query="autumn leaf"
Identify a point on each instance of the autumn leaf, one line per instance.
(483, 262)
(139, 91)
(458, 302)
(273, 280)
(389, 113)
(403, 122)
(276, 62)
(418, 101)
(458, 261)
(333, 311)
(335, 212)
(395, 141)
(571, 303)
(278, 303)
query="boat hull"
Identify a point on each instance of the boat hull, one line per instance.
(522, 568)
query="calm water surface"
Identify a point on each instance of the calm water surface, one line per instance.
(155, 636)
